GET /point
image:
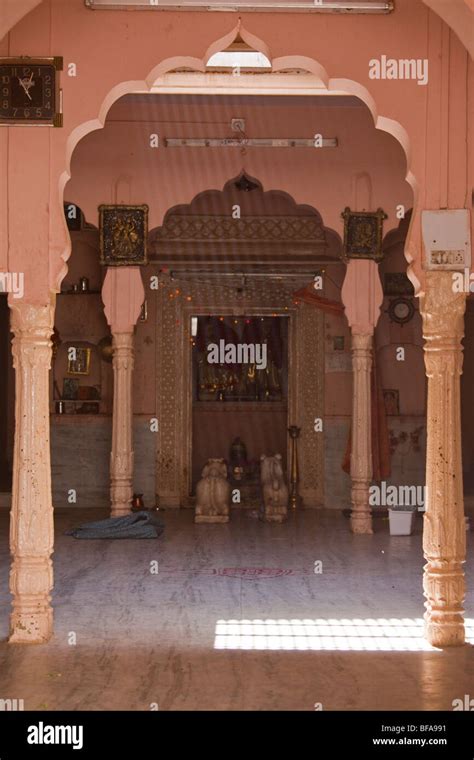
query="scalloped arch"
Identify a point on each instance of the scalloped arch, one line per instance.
(219, 200)
(312, 66)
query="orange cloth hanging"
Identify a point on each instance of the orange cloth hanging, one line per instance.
(381, 464)
(308, 295)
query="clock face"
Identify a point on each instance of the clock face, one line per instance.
(28, 92)
(401, 310)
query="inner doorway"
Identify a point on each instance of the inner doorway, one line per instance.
(239, 395)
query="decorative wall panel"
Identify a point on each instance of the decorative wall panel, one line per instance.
(168, 401)
(310, 402)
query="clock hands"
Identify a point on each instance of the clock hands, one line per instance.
(26, 84)
(22, 84)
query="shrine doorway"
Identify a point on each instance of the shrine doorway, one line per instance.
(240, 386)
(220, 270)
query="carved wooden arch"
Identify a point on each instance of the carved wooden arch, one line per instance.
(254, 227)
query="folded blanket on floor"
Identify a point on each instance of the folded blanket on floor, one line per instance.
(134, 525)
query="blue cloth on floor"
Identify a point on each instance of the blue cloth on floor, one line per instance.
(135, 525)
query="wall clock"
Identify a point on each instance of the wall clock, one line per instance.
(29, 91)
(401, 310)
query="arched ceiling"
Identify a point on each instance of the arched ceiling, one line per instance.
(12, 11)
(459, 15)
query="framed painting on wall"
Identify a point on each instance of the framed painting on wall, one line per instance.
(79, 363)
(363, 232)
(123, 232)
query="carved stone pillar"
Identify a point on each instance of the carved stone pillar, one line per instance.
(122, 455)
(361, 450)
(362, 296)
(123, 296)
(31, 520)
(444, 535)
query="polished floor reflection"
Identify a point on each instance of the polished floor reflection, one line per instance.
(240, 616)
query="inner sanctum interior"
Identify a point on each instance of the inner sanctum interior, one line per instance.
(235, 253)
(235, 257)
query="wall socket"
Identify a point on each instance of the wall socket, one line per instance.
(237, 125)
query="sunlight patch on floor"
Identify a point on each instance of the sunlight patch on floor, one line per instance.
(344, 635)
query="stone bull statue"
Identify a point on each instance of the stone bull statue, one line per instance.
(213, 494)
(274, 489)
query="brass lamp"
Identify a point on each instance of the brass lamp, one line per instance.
(294, 500)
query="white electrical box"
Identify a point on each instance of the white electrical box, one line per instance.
(447, 239)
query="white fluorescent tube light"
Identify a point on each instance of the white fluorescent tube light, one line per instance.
(306, 6)
(252, 142)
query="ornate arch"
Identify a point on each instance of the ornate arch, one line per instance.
(234, 226)
(318, 79)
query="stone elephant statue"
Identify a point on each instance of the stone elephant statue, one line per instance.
(213, 494)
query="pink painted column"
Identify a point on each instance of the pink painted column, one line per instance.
(362, 296)
(123, 296)
(31, 519)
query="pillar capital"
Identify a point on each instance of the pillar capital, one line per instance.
(31, 319)
(123, 295)
(442, 310)
(123, 354)
(362, 295)
(362, 351)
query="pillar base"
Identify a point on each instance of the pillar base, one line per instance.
(444, 589)
(121, 491)
(361, 515)
(31, 626)
(361, 524)
(444, 630)
(206, 519)
(120, 512)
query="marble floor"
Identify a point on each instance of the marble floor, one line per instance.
(236, 618)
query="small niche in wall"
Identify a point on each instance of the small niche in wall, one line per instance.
(82, 377)
(77, 378)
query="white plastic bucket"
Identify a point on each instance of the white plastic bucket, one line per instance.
(401, 522)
